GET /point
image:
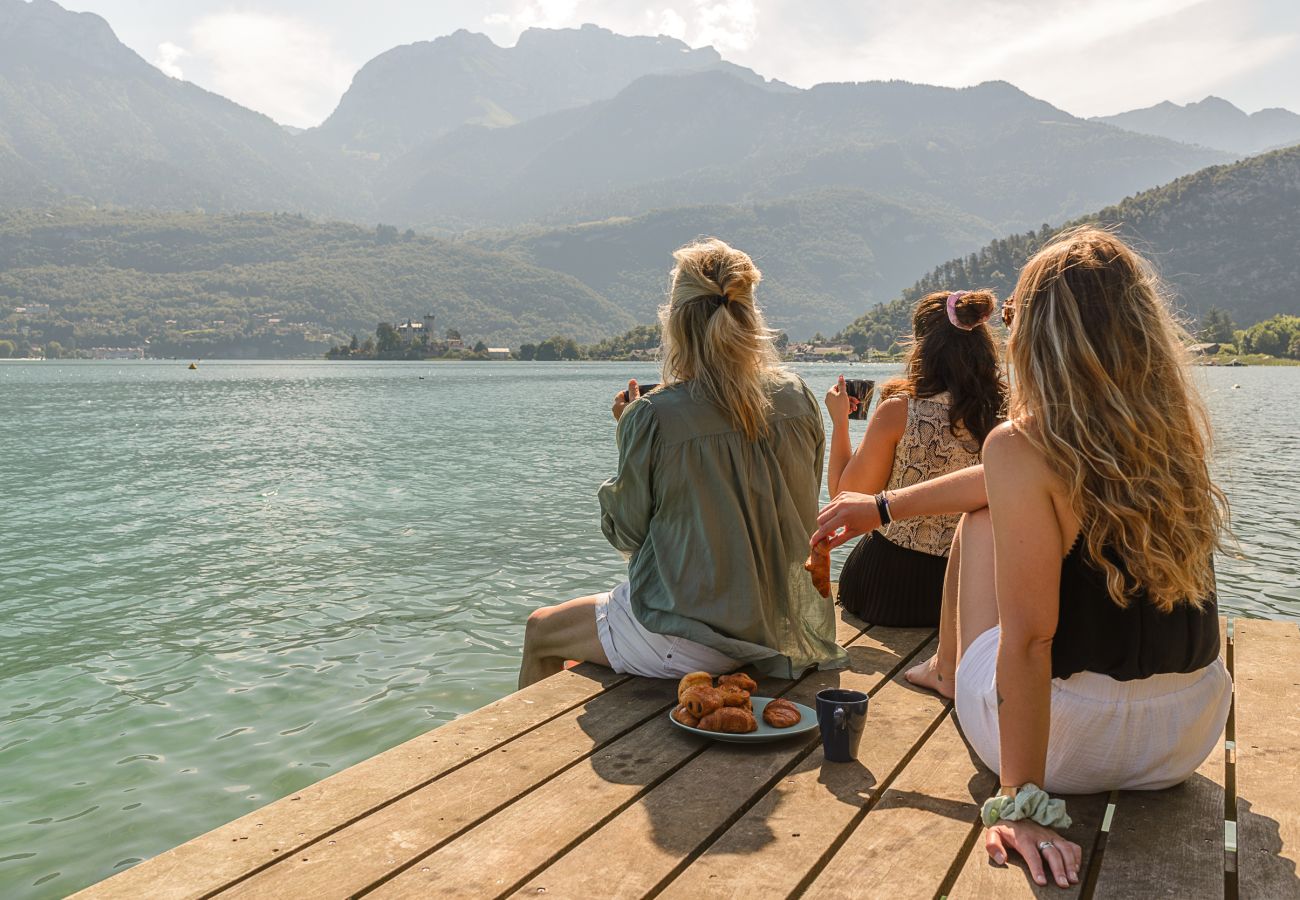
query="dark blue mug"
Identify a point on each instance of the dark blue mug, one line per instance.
(842, 716)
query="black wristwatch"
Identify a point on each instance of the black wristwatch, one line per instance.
(882, 507)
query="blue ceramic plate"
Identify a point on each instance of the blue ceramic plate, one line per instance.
(765, 732)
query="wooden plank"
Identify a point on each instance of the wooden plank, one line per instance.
(911, 839)
(664, 829)
(225, 854)
(1145, 857)
(1266, 663)
(353, 858)
(784, 835)
(525, 838)
(980, 877)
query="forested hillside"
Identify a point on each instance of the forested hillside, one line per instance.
(207, 285)
(823, 255)
(1224, 237)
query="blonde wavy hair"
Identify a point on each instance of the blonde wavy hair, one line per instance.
(1102, 382)
(715, 339)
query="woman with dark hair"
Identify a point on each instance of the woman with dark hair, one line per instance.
(930, 421)
(719, 470)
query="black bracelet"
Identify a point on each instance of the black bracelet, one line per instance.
(882, 507)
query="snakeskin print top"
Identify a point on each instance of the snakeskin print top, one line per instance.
(929, 448)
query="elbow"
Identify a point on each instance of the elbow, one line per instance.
(1027, 645)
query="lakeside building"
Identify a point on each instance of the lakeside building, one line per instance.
(498, 352)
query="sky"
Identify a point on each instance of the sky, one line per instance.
(293, 59)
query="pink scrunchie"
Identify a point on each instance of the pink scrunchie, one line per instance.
(952, 312)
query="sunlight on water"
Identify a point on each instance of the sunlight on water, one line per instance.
(217, 587)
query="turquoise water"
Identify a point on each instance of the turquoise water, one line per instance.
(217, 587)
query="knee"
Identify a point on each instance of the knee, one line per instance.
(537, 628)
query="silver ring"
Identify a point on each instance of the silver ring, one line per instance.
(1043, 845)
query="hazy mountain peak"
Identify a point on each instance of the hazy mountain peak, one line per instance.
(40, 31)
(1213, 122)
(417, 92)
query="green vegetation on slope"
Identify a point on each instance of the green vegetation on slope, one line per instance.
(823, 254)
(1224, 237)
(214, 285)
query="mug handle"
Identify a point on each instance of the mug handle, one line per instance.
(839, 715)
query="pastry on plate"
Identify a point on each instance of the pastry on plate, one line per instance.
(781, 714)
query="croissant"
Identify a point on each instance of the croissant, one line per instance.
(781, 714)
(700, 701)
(819, 566)
(695, 679)
(740, 680)
(681, 715)
(729, 720)
(732, 695)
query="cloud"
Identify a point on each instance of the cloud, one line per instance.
(278, 65)
(168, 56)
(727, 25)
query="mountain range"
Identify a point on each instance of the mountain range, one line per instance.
(1224, 237)
(577, 160)
(417, 92)
(1213, 122)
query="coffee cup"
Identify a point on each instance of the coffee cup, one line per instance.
(842, 716)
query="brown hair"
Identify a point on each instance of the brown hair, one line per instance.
(714, 336)
(1103, 391)
(942, 357)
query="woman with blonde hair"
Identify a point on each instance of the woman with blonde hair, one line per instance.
(1086, 618)
(716, 493)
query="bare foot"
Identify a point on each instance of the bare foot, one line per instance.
(927, 675)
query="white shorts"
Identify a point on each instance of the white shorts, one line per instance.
(1138, 735)
(635, 651)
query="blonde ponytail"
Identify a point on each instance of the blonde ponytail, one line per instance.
(714, 336)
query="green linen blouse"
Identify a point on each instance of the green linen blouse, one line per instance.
(717, 527)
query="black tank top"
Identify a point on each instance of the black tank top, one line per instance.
(1093, 634)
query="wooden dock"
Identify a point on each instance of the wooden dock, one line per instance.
(580, 787)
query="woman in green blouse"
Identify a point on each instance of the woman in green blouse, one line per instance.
(716, 494)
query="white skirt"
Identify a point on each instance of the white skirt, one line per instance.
(1145, 734)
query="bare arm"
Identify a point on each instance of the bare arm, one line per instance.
(867, 470)
(851, 514)
(1027, 549)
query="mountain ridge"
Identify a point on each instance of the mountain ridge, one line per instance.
(1213, 122)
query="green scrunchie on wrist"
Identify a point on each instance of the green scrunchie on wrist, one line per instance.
(1030, 802)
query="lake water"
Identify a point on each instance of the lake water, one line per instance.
(219, 586)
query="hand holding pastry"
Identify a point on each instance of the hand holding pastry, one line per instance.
(819, 566)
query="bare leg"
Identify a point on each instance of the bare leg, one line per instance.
(557, 633)
(938, 673)
(977, 596)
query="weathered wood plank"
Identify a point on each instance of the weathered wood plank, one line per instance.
(1267, 671)
(979, 877)
(911, 839)
(681, 816)
(225, 854)
(489, 858)
(1146, 857)
(355, 857)
(796, 823)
